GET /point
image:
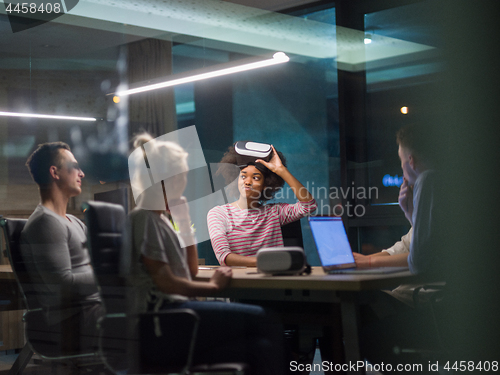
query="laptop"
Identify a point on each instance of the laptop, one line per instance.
(334, 249)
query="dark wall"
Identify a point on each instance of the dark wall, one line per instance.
(471, 142)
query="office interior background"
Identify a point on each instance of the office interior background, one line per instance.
(358, 71)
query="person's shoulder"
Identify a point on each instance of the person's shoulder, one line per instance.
(75, 219)
(42, 222)
(141, 215)
(222, 209)
(275, 205)
(137, 212)
(429, 174)
(140, 219)
(279, 205)
(43, 216)
(426, 178)
(274, 208)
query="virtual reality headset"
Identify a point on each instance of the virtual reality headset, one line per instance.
(248, 152)
(282, 260)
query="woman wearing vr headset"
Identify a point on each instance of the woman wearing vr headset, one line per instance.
(239, 229)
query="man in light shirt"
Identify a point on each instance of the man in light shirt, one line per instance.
(386, 322)
(417, 200)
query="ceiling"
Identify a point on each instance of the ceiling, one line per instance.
(87, 40)
(88, 36)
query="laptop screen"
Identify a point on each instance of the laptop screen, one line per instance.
(331, 241)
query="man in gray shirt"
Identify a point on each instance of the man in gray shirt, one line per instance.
(54, 247)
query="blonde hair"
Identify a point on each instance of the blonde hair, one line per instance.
(175, 156)
(140, 139)
(170, 161)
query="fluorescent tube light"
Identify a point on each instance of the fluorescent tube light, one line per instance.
(278, 58)
(36, 115)
(368, 38)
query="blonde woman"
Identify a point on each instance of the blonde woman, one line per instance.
(163, 268)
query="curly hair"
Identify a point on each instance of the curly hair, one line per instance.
(272, 182)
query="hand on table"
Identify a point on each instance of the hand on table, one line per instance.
(362, 261)
(221, 277)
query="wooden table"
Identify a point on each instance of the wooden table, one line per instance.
(316, 287)
(6, 272)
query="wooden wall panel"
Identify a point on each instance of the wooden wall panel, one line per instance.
(11, 330)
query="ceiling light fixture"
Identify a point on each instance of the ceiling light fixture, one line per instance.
(225, 69)
(36, 115)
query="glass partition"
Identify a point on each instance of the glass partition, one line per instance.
(78, 63)
(398, 90)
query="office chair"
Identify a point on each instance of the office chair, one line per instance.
(412, 335)
(12, 230)
(429, 298)
(149, 336)
(47, 344)
(105, 223)
(292, 234)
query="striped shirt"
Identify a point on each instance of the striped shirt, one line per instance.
(244, 232)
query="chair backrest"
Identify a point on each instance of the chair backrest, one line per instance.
(105, 222)
(120, 340)
(292, 234)
(12, 229)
